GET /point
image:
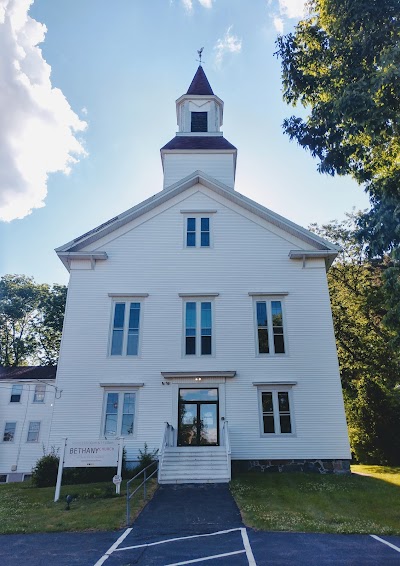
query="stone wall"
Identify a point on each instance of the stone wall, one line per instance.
(309, 466)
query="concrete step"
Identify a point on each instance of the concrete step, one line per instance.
(179, 481)
(194, 465)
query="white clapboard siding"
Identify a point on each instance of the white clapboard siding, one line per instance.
(220, 166)
(247, 255)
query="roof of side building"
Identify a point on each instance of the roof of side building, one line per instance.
(28, 372)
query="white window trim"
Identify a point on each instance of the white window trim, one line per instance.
(268, 298)
(274, 389)
(27, 433)
(44, 394)
(198, 215)
(127, 299)
(198, 299)
(4, 430)
(120, 389)
(20, 398)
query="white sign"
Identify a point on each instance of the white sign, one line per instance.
(91, 453)
(117, 479)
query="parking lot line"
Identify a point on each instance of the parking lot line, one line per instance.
(113, 547)
(386, 542)
(207, 558)
(176, 539)
(246, 543)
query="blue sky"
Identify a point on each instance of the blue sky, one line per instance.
(119, 68)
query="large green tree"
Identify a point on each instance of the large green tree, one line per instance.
(369, 360)
(31, 318)
(342, 63)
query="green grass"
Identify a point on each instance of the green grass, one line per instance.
(26, 509)
(322, 503)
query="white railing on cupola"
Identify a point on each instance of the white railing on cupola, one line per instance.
(167, 440)
(227, 443)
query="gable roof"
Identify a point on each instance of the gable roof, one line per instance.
(28, 372)
(198, 142)
(73, 248)
(200, 84)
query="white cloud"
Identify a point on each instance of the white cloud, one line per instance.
(288, 9)
(292, 8)
(206, 3)
(228, 44)
(37, 125)
(188, 4)
(278, 24)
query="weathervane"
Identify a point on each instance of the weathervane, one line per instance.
(199, 51)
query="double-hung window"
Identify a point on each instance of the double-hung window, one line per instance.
(40, 391)
(270, 335)
(33, 431)
(198, 327)
(9, 432)
(197, 232)
(125, 328)
(119, 413)
(16, 393)
(276, 410)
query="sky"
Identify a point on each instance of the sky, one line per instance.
(87, 99)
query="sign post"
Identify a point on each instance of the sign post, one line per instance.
(60, 471)
(89, 454)
(119, 469)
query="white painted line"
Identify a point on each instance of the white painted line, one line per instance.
(175, 539)
(207, 558)
(249, 552)
(113, 547)
(386, 542)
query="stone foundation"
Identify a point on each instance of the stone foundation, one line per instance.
(308, 466)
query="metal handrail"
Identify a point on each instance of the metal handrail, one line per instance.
(145, 479)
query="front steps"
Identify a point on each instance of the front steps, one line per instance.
(208, 464)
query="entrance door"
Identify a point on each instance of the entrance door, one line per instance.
(198, 417)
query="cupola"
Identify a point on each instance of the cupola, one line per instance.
(199, 144)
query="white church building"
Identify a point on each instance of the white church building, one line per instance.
(199, 322)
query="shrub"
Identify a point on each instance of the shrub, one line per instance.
(145, 458)
(44, 474)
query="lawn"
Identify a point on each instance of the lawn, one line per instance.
(368, 504)
(26, 509)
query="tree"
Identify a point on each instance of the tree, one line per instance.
(31, 318)
(368, 358)
(342, 63)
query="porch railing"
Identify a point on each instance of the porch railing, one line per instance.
(227, 443)
(167, 440)
(147, 474)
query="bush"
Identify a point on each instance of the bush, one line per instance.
(145, 458)
(44, 474)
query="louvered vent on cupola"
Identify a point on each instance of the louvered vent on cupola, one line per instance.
(199, 122)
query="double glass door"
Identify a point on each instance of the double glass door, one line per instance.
(198, 417)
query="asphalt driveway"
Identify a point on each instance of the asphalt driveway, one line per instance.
(196, 524)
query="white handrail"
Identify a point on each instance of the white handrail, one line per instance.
(166, 441)
(227, 443)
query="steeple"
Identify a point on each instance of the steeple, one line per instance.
(200, 84)
(199, 144)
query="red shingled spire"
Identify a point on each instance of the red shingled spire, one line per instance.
(200, 84)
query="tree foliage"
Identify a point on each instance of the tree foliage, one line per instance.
(31, 319)
(342, 63)
(368, 356)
